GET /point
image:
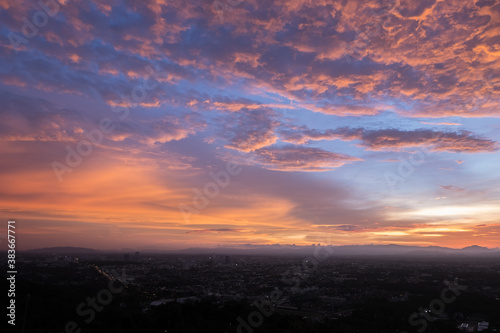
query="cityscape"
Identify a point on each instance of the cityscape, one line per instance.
(82, 290)
(250, 166)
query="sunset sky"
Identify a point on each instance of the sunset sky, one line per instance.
(342, 122)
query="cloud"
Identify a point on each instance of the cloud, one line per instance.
(214, 230)
(395, 139)
(37, 119)
(26, 118)
(441, 123)
(250, 129)
(340, 59)
(452, 188)
(348, 227)
(298, 158)
(158, 130)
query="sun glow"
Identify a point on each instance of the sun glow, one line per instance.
(477, 211)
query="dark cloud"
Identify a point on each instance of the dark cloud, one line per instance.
(452, 188)
(394, 139)
(249, 130)
(214, 230)
(298, 158)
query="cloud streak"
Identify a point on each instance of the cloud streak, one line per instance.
(395, 139)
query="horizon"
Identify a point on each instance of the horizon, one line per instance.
(254, 247)
(127, 124)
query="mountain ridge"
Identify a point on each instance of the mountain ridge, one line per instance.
(278, 249)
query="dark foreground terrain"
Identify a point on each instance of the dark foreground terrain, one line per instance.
(220, 293)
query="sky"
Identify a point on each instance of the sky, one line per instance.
(174, 124)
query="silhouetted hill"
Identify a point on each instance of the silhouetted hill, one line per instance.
(63, 250)
(277, 249)
(351, 250)
(475, 248)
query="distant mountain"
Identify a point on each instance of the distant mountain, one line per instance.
(351, 250)
(294, 250)
(63, 250)
(475, 248)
